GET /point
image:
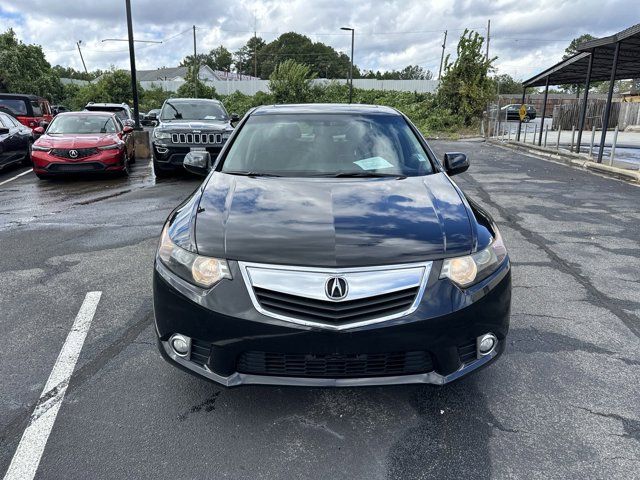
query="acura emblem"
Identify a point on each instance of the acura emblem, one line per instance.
(73, 153)
(336, 288)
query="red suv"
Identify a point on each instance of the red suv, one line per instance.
(30, 110)
(78, 142)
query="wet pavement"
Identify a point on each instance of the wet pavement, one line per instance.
(561, 403)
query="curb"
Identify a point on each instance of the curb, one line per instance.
(572, 159)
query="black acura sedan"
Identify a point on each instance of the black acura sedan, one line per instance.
(328, 246)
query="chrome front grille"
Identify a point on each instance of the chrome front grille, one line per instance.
(197, 138)
(300, 295)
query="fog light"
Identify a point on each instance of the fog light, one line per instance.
(486, 344)
(180, 344)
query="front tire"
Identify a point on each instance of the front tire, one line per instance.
(43, 176)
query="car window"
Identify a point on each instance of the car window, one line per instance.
(12, 121)
(327, 145)
(193, 110)
(119, 124)
(17, 106)
(4, 121)
(81, 124)
(119, 111)
(37, 108)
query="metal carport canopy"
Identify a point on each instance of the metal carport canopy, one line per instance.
(574, 69)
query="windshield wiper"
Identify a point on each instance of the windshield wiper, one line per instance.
(363, 174)
(251, 174)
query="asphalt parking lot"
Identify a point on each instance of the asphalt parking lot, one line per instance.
(563, 402)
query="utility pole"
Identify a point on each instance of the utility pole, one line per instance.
(255, 46)
(81, 57)
(488, 37)
(196, 72)
(444, 44)
(353, 32)
(132, 58)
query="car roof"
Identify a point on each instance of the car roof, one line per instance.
(324, 108)
(110, 105)
(21, 96)
(192, 99)
(87, 113)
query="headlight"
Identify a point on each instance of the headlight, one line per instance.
(40, 149)
(196, 269)
(470, 269)
(159, 134)
(115, 146)
(226, 135)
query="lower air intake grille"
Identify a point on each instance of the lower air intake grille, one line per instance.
(467, 352)
(200, 351)
(335, 365)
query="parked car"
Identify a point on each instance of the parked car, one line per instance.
(56, 109)
(151, 118)
(79, 142)
(512, 112)
(15, 141)
(122, 110)
(185, 123)
(328, 246)
(30, 110)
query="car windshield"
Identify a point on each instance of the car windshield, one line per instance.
(328, 145)
(81, 124)
(192, 110)
(18, 107)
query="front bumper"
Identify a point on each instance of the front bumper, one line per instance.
(170, 157)
(444, 328)
(105, 161)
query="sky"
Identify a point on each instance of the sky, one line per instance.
(526, 36)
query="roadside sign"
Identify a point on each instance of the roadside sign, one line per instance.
(522, 111)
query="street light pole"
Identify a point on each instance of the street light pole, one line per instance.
(351, 63)
(132, 57)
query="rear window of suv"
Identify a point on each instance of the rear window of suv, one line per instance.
(15, 105)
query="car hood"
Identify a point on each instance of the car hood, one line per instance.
(332, 222)
(194, 125)
(77, 141)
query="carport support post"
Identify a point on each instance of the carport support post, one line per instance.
(524, 94)
(544, 108)
(607, 109)
(132, 58)
(583, 110)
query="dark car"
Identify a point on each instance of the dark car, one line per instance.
(150, 118)
(84, 142)
(30, 110)
(56, 109)
(122, 111)
(512, 112)
(328, 246)
(184, 123)
(15, 141)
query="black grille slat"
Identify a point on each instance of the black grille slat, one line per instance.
(200, 351)
(197, 138)
(360, 309)
(467, 352)
(335, 365)
(81, 152)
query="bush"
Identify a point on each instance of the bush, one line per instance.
(290, 82)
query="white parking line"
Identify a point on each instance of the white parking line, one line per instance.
(27, 457)
(17, 176)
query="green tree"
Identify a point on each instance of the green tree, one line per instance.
(244, 57)
(290, 82)
(153, 97)
(505, 83)
(217, 59)
(24, 69)
(188, 89)
(70, 72)
(112, 87)
(572, 49)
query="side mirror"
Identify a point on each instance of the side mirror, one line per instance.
(38, 130)
(129, 123)
(455, 163)
(4, 130)
(235, 117)
(127, 129)
(197, 161)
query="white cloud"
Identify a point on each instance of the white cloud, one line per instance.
(526, 35)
